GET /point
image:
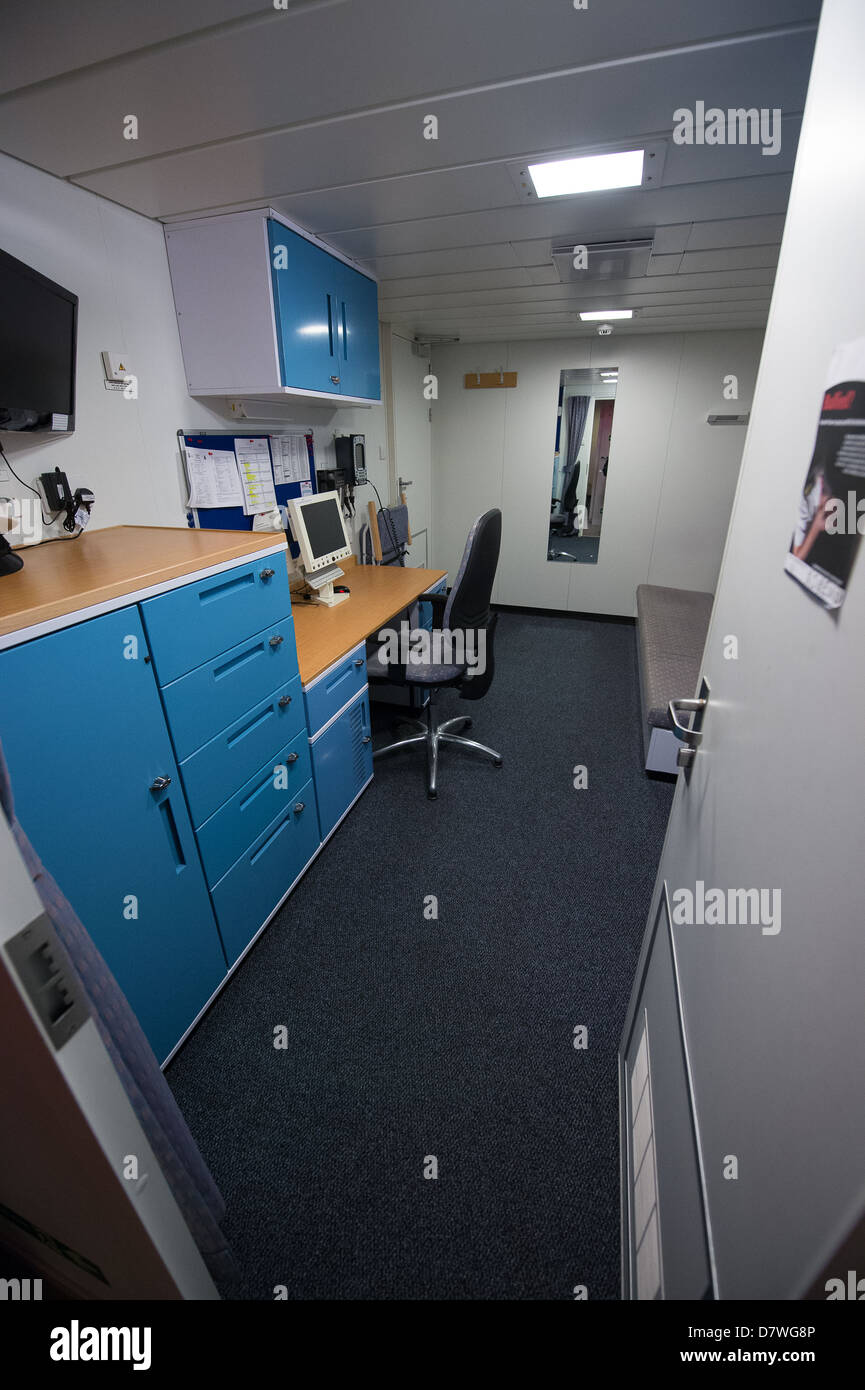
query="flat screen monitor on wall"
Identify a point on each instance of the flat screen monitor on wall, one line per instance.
(38, 321)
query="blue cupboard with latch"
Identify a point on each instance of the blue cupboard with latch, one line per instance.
(175, 777)
(265, 309)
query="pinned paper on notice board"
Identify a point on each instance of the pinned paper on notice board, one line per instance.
(290, 458)
(213, 478)
(256, 475)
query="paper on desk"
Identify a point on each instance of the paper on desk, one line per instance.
(256, 475)
(213, 478)
(290, 458)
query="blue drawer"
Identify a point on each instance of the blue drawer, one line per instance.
(201, 703)
(222, 766)
(334, 688)
(232, 828)
(342, 763)
(191, 624)
(246, 896)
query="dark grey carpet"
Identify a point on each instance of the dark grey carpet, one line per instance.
(453, 1038)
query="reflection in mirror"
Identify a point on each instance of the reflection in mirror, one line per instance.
(583, 430)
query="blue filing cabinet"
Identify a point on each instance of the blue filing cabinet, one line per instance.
(340, 740)
(84, 735)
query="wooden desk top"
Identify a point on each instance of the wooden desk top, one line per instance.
(61, 578)
(378, 593)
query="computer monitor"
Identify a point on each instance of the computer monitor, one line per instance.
(318, 526)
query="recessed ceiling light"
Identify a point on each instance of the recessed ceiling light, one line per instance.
(589, 174)
(591, 314)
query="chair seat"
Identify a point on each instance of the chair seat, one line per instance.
(425, 673)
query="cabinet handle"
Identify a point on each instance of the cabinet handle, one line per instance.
(160, 783)
(284, 701)
(335, 380)
(292, 758)
(299, 806)
(267, 574)
(276, 641)
(359, 661)
(366, 739)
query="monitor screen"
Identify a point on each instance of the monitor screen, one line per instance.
(37, 348)
(324, 528)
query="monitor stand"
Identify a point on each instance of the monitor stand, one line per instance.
(321, 585)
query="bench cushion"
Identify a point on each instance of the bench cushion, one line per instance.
(671, 633)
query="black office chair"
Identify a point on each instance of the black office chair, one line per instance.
(466, 618)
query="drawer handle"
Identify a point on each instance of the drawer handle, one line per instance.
(367, 739)
(359, 661)
(292, 758)
(299, 806)
(284, 701)
(267, 574)
(276, 641)
(160, 783)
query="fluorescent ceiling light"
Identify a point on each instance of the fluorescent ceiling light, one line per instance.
(601, 314)
(589, 174)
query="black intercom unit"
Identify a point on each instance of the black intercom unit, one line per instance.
(351, 457)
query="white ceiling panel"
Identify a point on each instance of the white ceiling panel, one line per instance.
(317, 110)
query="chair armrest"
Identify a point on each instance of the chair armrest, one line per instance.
(439, 604)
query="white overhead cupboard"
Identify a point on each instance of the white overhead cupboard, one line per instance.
(268, 311)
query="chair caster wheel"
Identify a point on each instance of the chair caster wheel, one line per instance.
(497, 762)
(432, 796)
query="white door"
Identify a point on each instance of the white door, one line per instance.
(773, 1020)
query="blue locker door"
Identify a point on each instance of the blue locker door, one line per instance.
(358, 315)
(307, 311)
(342, 762)
(84, 735)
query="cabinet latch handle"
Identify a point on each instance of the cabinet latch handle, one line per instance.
(292, 758)
(160, 783)
(335, 380)
(267, 574)
(359, 661)
(276, 641)
(284, 701)
(299, 806)
(367, 739)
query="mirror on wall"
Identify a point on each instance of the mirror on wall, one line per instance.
(584, 426)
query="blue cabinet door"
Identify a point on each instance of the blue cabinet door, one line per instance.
(342, 762)
(307, 308)
(84, 735)
(359, 370)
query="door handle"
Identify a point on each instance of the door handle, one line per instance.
(160, 783)
(335, 380)
(692, 738)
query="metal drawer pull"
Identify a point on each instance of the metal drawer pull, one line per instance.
(299, 806)
(267, 574)
(292, 758)
(284, 701)
(692, 737)
(359, 661)
(160, 783)
(275, 641)
(367, 739)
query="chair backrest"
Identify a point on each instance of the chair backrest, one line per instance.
(468, 604)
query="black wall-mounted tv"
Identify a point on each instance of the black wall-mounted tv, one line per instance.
(38, 323)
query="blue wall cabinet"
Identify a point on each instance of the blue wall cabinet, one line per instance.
(342, 761)
(264, 309)
(98, 793)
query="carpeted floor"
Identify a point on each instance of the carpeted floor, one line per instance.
(411, 1037)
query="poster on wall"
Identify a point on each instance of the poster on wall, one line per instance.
(831, 517)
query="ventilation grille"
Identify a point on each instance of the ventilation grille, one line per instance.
(605, 260)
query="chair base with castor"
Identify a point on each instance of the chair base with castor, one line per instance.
(432, 735)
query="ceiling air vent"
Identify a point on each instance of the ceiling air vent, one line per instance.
(603, 260)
